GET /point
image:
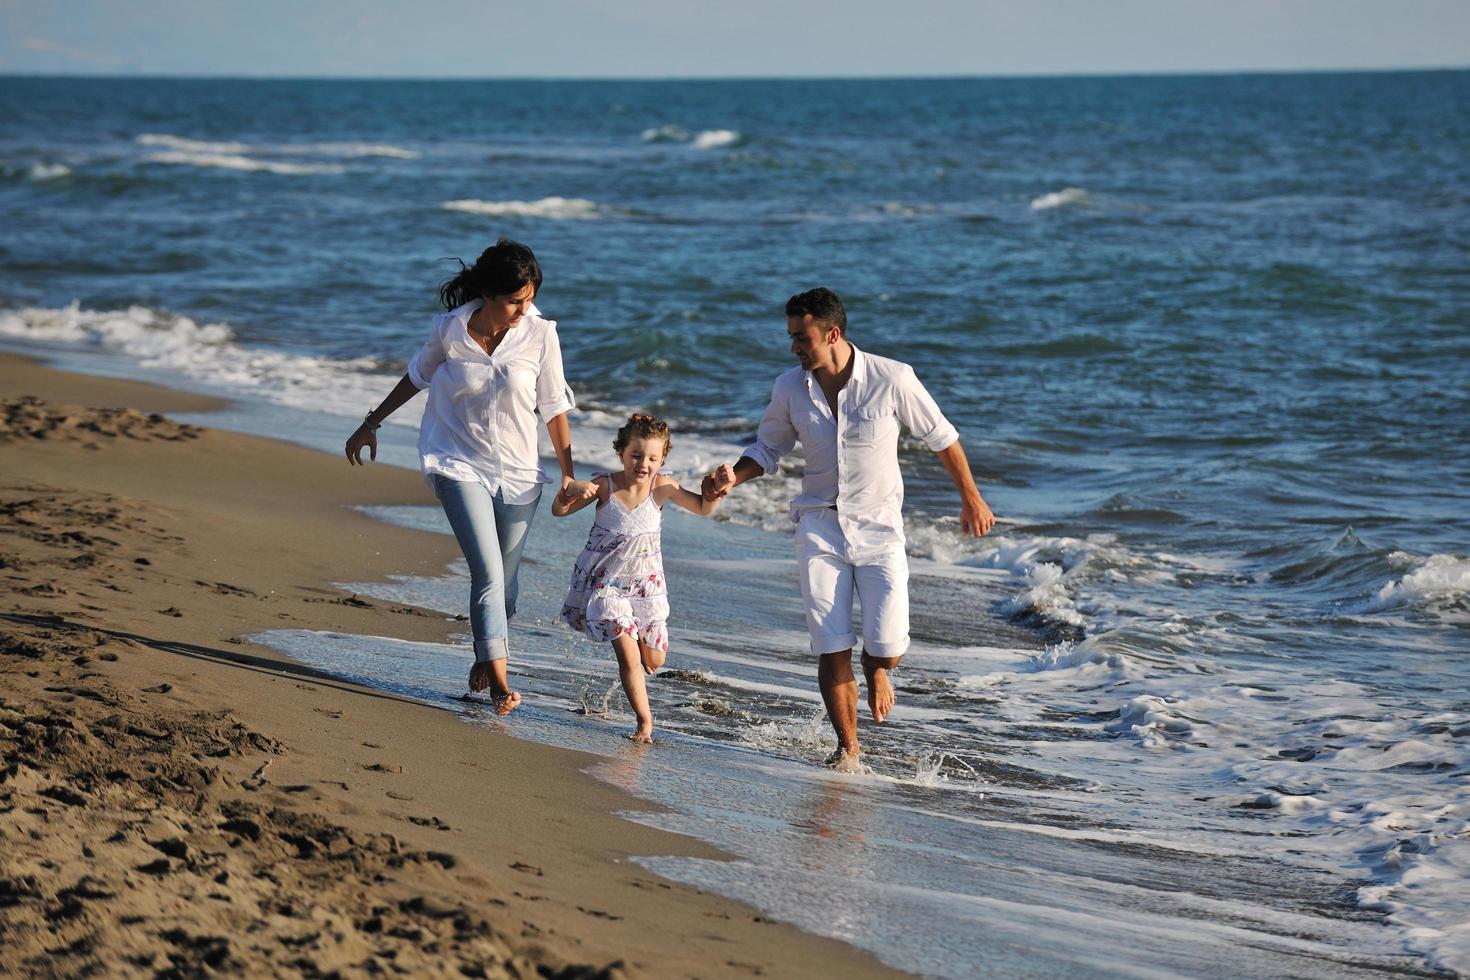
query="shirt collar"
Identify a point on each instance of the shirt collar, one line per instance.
(859, 366)
(464, 312)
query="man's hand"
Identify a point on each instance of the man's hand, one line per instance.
(975, 516)
(718, 482)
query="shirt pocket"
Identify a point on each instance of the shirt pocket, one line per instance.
(869, 426)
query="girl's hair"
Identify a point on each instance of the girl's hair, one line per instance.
(642, 427)
(502, 269)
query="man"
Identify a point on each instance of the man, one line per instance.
(845, 408)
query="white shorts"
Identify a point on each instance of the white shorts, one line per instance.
(827, 581)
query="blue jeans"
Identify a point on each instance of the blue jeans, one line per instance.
(492, 534)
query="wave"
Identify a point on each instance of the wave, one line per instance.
(229, 161)
(339, 149)
(352, 150)
(1436, 583)
(555, 208)
(711, 139)
(1067, 197)
(666, 134)
(1236, 744)
(40, 173)
(210, 353)
(191, 146)
(705, 139)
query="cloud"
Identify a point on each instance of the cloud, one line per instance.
(70, 53)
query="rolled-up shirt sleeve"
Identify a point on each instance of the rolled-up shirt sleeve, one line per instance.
(776, 436)
(553, 395)
(421, 369)
(917, 409)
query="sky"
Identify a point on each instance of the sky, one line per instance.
(761, 38)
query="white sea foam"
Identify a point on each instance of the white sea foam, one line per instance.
(666, 134)
(210, 354)
(1431, 581)
(231, 161)
(39, 173)
(1067, 197)
(711, 139)
(352, 150)
(554, 208)
(1316, 760)
(705, 139)
(192, 146)
(233, 148)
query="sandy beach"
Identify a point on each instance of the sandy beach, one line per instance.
(179, 801)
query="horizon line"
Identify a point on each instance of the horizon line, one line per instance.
(941, 76)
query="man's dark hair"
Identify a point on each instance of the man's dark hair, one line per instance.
(824, 306)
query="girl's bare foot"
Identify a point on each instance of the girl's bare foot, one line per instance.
(652, 658)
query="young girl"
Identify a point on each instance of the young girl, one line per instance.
(618, 593)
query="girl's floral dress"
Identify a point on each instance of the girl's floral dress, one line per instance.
(618, 586)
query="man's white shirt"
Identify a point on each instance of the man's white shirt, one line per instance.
(480, 424)
(852, 459)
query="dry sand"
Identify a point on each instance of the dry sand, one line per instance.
(176, 801)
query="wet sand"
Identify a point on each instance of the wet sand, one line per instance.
(177, 800)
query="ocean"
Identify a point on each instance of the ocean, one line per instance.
(1198, 706)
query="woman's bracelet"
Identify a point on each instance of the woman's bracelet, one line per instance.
(367, 420)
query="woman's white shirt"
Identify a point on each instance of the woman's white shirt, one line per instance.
(481, 422)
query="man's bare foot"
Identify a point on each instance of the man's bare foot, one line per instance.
(845, 760)
(506, 703)
(480, 676)
(880, 692)
(643, 734)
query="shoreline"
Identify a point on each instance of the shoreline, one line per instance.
(135, 557)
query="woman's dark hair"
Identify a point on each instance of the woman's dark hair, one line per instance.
(502, 269)
(642, 427)
(822, 304)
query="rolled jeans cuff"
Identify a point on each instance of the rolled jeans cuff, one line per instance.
(494, 648)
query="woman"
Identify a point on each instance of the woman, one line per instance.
(492, 364)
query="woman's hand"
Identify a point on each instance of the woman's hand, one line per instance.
(573, 491)
(365, 436)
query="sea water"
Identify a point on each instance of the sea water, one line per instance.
(1197, 706)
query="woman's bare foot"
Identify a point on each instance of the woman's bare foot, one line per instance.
(845, 760)
(491, 674)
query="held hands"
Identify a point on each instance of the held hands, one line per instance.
(718, 483)
(366, 437)
(975, 516)
(575, 491)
